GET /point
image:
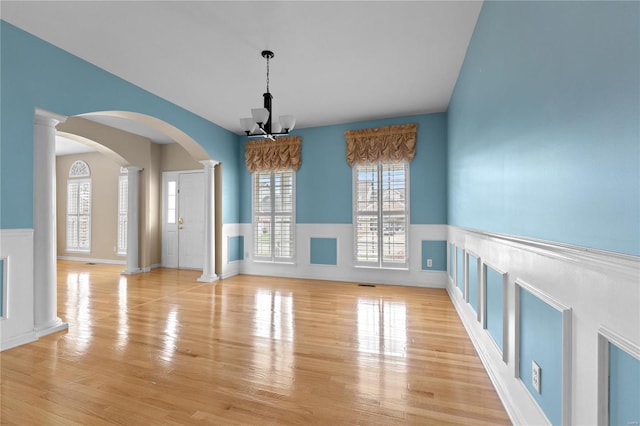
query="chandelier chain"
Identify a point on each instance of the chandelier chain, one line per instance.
(267, 74)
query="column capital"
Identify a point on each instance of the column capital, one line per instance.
(48, 118)
(209, 163)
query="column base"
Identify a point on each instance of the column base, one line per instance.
(53, 327)
(208, 278)
(132, 271)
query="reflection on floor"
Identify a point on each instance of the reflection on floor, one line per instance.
(161, 348)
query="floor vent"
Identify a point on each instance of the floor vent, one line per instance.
(90, 263)
(366, 285)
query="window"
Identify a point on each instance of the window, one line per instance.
(123, 206)
(172, 193)
(273, 216)
(79, 208)
(381, 214)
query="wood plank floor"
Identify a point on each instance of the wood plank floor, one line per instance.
(160, 348)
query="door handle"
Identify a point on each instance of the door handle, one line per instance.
(180, 221)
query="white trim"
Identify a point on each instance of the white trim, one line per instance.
(603, 379)
(92, 260)
(149, 268)
(599, 293)
(5, 287)
(43, 293)
(519, 405)
(608, 337)
(483, 268)
(586, 257)
(21, 339)
(467, 254)
(624, 344)
(567, 363)
(209, 244)
(546, 298)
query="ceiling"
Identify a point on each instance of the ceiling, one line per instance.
(335, 62)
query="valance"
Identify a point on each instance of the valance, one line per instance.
(267, 155)
(390, 143)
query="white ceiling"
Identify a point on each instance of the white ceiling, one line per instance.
(334, 62)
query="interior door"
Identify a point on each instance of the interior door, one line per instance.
(191, 220)
(183, 220)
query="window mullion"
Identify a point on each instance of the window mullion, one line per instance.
(380, 213)
(273, 215)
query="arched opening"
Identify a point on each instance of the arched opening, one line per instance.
(88, 129)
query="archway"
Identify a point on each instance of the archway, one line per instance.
(45, 316)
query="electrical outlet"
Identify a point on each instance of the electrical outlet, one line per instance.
(535, 376)
(429, 263)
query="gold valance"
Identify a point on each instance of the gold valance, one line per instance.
(390, 143)
(267, 155)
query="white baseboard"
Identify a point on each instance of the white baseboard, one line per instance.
(149, 268)
(93, 260)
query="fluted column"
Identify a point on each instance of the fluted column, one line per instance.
(45, 296)
(208, 267)
(133, 217)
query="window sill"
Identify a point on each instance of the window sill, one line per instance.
(380, 268)
(272, 262)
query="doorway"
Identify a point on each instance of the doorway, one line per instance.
(183, 219)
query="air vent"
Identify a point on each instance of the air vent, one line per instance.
(366, 285)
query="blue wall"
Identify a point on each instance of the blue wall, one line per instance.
(324, 180)
(473, 282)
(437, 252)
(624, 388)
(323, 251)
(543, 124)
(452, 253)
(541, 341)
(460, 268)
(493, 280)
(235, 250)
(38, 74)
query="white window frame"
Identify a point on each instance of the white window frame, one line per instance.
(381, 263)
(78, 249)
(273, 214)
(122, 216)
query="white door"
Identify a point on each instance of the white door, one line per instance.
(183, 220)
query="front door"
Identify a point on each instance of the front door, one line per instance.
(183, 219)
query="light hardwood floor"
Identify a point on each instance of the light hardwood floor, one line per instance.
(160, 348)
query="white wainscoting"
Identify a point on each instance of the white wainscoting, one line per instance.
(601, 290)
(17, 326)
(229, 230)
(344, 270)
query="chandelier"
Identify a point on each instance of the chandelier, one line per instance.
(259, 124)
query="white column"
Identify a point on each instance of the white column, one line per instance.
(45, 296)
(133, 197)
(208, 268)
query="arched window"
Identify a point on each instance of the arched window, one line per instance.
(79, 208)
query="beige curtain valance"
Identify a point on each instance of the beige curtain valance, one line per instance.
(390, 143)
(267, 155)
